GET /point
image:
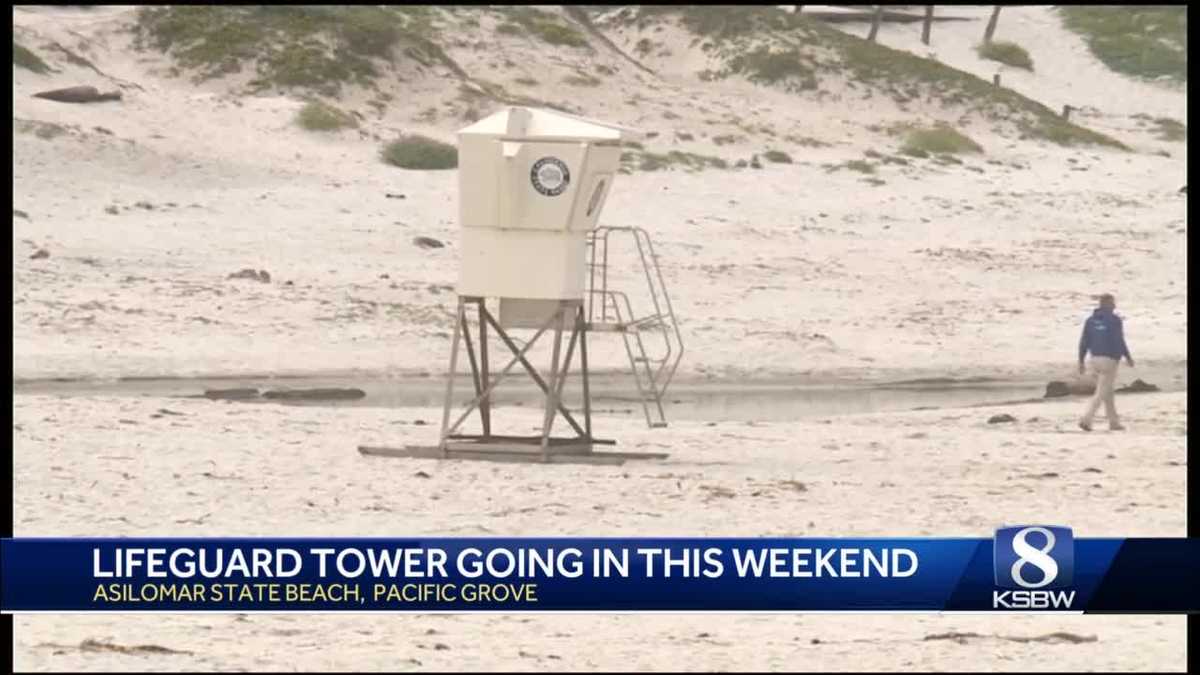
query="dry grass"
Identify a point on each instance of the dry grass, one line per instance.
(777, 156)
(318, 116)
(24, 58)
(938, 139)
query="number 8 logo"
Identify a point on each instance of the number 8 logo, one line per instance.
(1027, 554)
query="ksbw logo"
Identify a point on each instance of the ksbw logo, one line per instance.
(1031, 560)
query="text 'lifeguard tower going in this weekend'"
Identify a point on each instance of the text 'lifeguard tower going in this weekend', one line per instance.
(532, 184)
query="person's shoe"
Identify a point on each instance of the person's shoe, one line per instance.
(1086, 426)
(1116, 427)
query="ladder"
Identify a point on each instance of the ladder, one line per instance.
(610, 310)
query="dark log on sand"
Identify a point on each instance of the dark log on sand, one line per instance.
(1074, 388)
(85, 94)
(328, 394)
(239, 394)
(1137, 386)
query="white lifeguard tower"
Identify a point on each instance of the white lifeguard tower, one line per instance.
(532, 184)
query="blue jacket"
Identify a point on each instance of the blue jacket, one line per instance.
(1103, 335)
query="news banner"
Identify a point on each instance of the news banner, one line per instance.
(1027, 568)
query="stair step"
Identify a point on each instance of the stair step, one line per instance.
(648, 321)
(608, 327)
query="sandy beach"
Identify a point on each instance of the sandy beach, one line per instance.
(91, 466)
(796, 271)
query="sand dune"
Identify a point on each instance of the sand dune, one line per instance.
(982, 269)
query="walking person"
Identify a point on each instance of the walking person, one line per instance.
(1104, 337)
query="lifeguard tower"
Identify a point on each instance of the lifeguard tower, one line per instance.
(532, 184)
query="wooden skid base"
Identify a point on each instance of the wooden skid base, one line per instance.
(510, 453)
(530, 440)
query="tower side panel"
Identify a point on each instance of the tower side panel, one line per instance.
(523, 263)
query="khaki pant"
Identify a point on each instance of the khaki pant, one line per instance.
(1106, 379)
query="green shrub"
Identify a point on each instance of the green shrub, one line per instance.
(939, 139)
(317, 116)
(653, 161)
(723, 21)
(510, 28)
(558, 34)
(1167, 129)
(1171, 130)
(420, 152)
(768, 67)
(547, 26)
(1140, 40)
(319, 47)
(859, 165)
(777, 156)
(43, 130)
(26, 59)
(806, 141)
(1060, 132)
(1008, 53)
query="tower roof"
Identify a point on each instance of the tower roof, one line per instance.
(543, 123)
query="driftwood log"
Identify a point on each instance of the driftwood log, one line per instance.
(1138, 386)
(320, 394)
(1087, 387)
(1081, 387)
(83, 94)
(237, 394)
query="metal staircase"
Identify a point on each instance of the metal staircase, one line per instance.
(610, 310)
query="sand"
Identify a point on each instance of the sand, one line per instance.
(145, 207)
(105, 466)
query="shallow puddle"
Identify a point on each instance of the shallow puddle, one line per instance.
(612, 394)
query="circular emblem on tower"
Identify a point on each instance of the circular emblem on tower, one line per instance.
(550, 176)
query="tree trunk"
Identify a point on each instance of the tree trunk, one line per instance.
(991, 26)
(927, 25)
(875, 23)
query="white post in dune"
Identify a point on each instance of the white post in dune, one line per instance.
(532, 184)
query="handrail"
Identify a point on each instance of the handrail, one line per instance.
(658, 371)
(670, 366)
(670, 309)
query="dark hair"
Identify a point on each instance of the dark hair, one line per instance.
(1107, 297)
